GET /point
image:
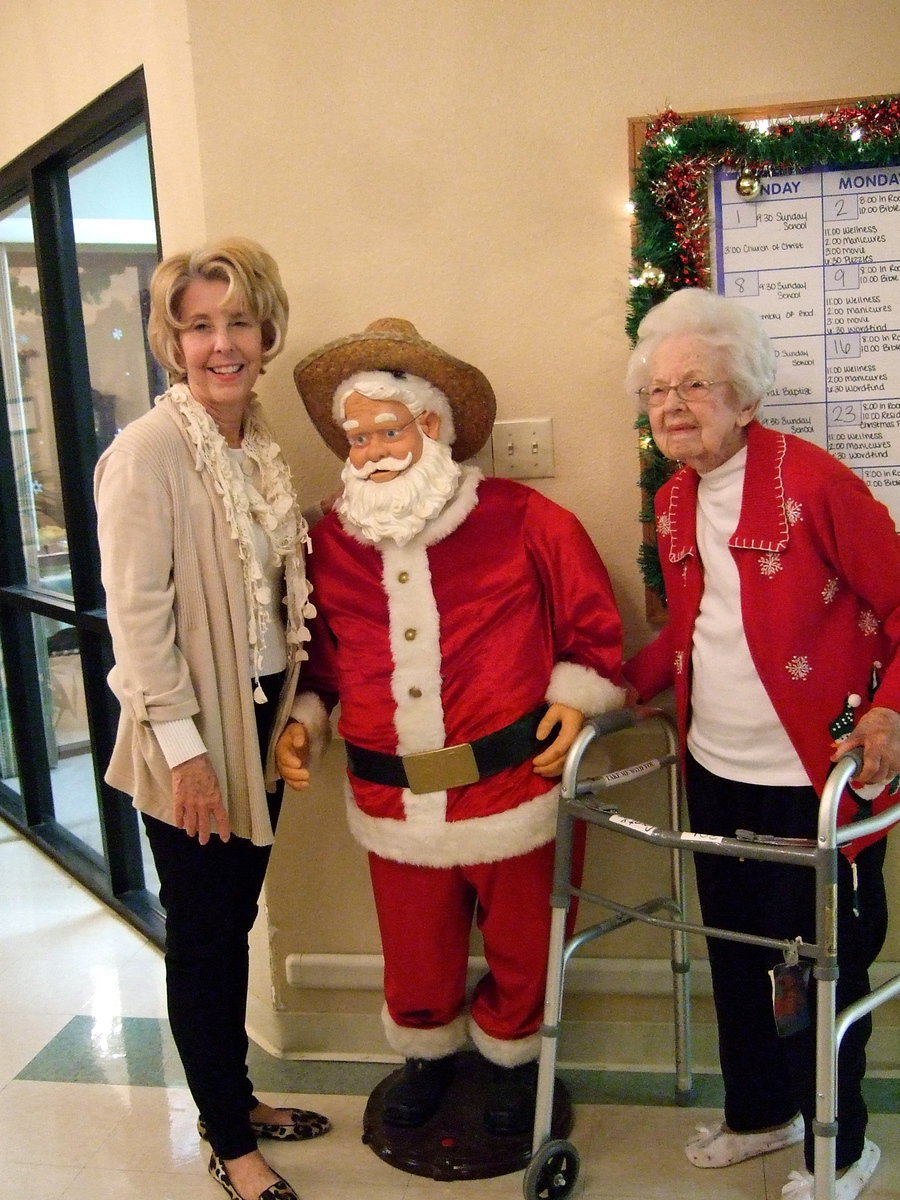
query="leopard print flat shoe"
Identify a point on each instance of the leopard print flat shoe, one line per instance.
(279, 1190)
(304, 1125)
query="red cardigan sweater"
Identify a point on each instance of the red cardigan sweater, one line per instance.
(819, 564)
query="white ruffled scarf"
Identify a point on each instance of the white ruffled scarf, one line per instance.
(273, 507)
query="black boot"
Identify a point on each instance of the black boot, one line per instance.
(511, 1098)
(417, 1094)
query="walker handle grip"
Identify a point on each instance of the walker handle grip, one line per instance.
(609, 722)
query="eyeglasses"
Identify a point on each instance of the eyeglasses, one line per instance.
(359, 441)
(691, 391)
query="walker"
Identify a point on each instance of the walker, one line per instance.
(554, 1167)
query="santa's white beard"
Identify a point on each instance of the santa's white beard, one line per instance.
(400, 508)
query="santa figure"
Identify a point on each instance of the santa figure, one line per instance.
(467, 626)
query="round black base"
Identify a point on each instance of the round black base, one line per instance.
(454, 1143)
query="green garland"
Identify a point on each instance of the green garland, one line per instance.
(671, 217)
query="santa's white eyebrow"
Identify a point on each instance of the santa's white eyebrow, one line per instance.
(385, 418)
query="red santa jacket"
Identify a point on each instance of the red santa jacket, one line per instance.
(499, 603)
(819, 565)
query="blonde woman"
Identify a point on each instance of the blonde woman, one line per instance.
(202, 550)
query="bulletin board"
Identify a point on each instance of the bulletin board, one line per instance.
(799, 217)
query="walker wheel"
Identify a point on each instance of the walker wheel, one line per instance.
(552, 1172)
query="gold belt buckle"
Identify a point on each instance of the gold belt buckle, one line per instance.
(437, 770)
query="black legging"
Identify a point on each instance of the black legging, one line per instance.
(768, 1078)
(210, 896)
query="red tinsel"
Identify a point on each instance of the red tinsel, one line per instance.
(680, 191)
(877, 119)
(668, 119)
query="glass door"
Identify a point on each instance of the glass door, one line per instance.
(78, 243)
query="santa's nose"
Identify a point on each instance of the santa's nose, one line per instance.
(376, 450)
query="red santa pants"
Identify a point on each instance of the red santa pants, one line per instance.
(425, 916)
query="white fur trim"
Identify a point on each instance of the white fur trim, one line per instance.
(582, 688)
(415, 648)
(424, 1043)
(426, 839)
(309, 710)
(511, 1053)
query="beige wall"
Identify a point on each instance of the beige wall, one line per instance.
(461, 163)
(57, 57)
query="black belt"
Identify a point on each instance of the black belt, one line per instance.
(452, 766)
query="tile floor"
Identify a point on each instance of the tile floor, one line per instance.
(93, 1104)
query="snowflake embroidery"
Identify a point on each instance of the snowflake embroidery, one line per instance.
(679, 661)
(830, 590)
(770, 564)
(793, 510)
(868, 623)
(798, 667)
(663, 525)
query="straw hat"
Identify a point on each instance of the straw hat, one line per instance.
(392, 344)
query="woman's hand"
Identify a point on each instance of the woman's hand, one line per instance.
(198, 801)
(292, 755)
(878, 736)
(550, 762)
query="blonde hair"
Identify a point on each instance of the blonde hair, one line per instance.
(252, 278)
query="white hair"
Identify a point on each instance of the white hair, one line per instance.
(722, 324)
(416, 393)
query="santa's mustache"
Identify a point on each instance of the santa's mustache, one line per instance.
(383, 464)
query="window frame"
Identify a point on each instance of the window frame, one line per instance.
(41, 175)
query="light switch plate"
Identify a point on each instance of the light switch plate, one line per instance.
(523, 449)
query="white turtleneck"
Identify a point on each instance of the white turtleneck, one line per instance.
(735, 732)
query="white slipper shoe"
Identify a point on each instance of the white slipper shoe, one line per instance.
(722, 1147)
(801, 1185)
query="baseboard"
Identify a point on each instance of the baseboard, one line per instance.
(618, 1045)
(584, 976)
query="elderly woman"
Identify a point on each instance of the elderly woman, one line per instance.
(782, 576)
(201, 543)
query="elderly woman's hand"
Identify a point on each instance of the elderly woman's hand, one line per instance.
(550, 762)
(878, 736)
(198, 801)
(292, 755)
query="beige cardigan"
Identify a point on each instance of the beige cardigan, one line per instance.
(178, 619)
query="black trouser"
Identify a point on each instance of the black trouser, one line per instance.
(210, 896)
(768, 1078)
